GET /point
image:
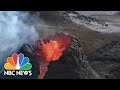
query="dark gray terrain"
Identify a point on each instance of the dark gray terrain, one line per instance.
(101, 49)
(95, 49)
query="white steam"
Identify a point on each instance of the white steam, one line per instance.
(13, 33)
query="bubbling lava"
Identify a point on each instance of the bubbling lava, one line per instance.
(50, 49)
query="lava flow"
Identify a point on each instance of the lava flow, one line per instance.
(50, 49)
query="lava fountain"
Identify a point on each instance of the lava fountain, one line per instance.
(50, 49)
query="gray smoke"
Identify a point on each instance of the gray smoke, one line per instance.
(14, 33)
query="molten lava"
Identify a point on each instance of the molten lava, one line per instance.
(50, 50)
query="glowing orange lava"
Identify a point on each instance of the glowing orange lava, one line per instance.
(50, 50)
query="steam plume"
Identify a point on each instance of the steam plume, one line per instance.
(13, 33)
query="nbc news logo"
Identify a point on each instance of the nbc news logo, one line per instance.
(18, 65)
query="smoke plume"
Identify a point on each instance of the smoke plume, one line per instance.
(14, 33)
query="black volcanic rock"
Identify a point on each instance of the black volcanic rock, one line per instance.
(71, 65)
(106, 60)
(110, 51)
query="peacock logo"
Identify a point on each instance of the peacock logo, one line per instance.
(18, 62)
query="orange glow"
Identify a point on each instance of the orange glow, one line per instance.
(51, 51)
